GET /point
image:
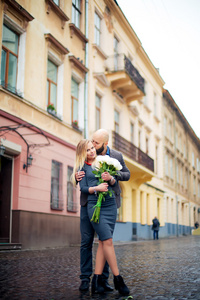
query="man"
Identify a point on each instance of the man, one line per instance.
(155, 227)
(100, 142)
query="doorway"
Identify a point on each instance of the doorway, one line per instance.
(5, 198)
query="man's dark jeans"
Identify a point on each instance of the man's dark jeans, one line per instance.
(155, 234)
(87, 237)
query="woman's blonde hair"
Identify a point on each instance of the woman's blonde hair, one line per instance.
(81, 157)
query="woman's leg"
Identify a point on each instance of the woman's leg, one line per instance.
(100, 259)
(109, 255)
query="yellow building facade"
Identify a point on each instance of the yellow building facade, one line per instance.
(69, 68)
(181, 170)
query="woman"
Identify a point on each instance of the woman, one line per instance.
(85, 160)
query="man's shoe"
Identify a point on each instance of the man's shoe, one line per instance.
(107, 286)
(84, 286)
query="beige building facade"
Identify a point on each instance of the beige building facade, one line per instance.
(68, 69)
(181, 170)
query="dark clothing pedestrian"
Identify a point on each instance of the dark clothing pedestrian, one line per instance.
(155, 228)
(196, 225)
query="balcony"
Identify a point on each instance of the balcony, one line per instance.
(139, 163)
(124, 78)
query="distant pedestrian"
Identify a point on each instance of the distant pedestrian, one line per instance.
(155, 227)
(196, 225)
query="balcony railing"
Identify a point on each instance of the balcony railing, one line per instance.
(131, 151)
(119, 62)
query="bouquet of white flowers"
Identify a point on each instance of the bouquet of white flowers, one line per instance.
(106, 164)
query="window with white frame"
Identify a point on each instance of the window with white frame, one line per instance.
(181, 175)
(198, 189)
(9, 59)
(56, 186)
(97, 29)
(197, 164)
(165, 126)
(72, 204)
(156, 159)
(116, 121)
(186, 179)
(132, 132)
(170, 130)
(166, 165)
(116, 53)
(194, 185)
(97, 112)
(147, 145)
(177, 172)
(74, 101)
(171, 167)
(76, 12)
(57, 2)
(155, 105)
(193, 163)
(52, 71)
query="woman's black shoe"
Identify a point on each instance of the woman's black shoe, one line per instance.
(97, 284)
(120, 285)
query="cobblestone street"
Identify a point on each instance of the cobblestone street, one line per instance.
(163, 269)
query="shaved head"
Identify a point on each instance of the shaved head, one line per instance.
(101, 134)
(100, 141)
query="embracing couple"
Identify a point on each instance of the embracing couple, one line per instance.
(86, 153)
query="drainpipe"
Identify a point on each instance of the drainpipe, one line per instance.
(86, 75)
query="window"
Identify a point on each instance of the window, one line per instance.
(57, 2)
(166, 165)
(132, 133)
(56, 186)
(186, 179)
(116, 121)
(194, 185)
(171, 167)
(193, 164)
(155, 105)
(139, 139)
(198, 189)
(74, 100)
(71, 193)
(97, 27)
(98, 112)
(147, 145)
(156, 159)
(116, 54)
(177, 173)
(76, 12)
(9, 58)
(165, 126)
(52, 70)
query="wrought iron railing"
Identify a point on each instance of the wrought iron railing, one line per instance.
(119, 62)
(131, 151)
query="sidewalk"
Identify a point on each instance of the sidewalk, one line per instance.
(163, 269)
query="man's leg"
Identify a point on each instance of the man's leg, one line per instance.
(87, 237)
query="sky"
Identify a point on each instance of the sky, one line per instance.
(169, 31)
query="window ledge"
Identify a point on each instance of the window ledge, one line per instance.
(100, 51)
(56, 44)
(78, 63)
(157, 119)
(52, 6)
(75, 30)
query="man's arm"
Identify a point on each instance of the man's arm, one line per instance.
(124, 173)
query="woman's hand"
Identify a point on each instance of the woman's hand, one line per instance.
(79, 175)
(103, 187)
(106, 176)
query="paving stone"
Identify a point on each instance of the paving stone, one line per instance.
(167, 269)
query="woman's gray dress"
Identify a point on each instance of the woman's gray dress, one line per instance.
(108, 212)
